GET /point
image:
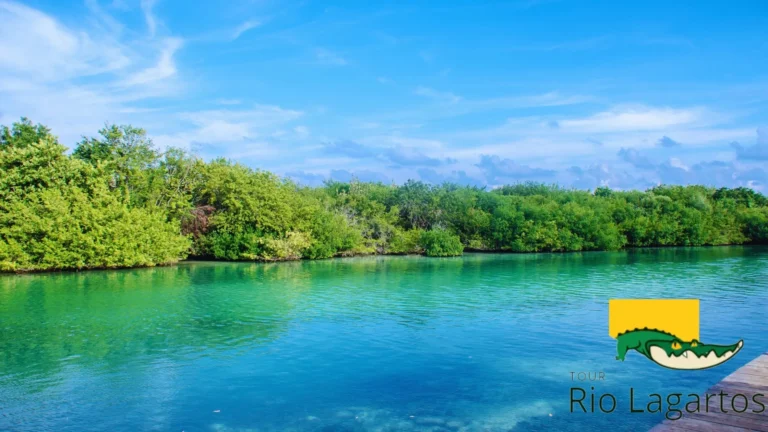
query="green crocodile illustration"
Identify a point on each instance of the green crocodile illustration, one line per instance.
(672, 352)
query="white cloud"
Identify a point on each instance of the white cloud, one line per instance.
(756, 152)
(427, 56)
(244, 27)
(75, 76)
(571, 45)
(35, 46)
(149, 17)
(447, 105)
(69, 110)
(438, 95)
(570, 136)
(677, 163)
(404, 141)
(76, 79)
(235, 133)
(228, 101)
(257, 116)
(327, 57)
(525, 148)
(549, 99)
(301, 131)
(165, 67)
(104, 19)
(634, 119)
(368, 125)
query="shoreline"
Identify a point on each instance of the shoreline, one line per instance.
(345, 256)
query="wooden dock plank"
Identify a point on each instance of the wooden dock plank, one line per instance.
(732, 419)
(697, 425)
(749, 380)
(756, 381)
(668, 428)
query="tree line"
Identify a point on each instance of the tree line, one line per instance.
(117, 201)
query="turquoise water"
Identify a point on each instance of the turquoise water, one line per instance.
(478, 343)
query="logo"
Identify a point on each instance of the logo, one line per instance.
(665, 331)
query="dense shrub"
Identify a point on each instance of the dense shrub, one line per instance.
(58, 212)
(117, 201)
(405, 242)
(441, 243)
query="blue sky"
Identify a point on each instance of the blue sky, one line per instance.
(619, 94)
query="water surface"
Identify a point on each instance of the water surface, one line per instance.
(478, 343)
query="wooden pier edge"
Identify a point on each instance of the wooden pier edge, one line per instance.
(748, 380)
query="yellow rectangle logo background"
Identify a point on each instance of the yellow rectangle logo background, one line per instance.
(677, 316)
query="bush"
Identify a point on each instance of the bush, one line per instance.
(405, 242)
(331, 235)
(441, 243)
(119, 202)
(756, 224)
(58, 212)
(290, 247)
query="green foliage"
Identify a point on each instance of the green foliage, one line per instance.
(126, 154)
(31, 159)
(119, 202)
(331, 235)
(755, 222)
(441, 243)
(253, 213)
(231, 243)
(405, 242)
(290, 247)
(70, 229)
(58, 212)
(172, 182)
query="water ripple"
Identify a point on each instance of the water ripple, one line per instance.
(483, 342)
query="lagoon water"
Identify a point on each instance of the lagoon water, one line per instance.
(484, 342)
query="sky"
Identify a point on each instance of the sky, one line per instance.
(627, 95)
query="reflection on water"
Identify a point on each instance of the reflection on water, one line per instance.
(483, 342)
